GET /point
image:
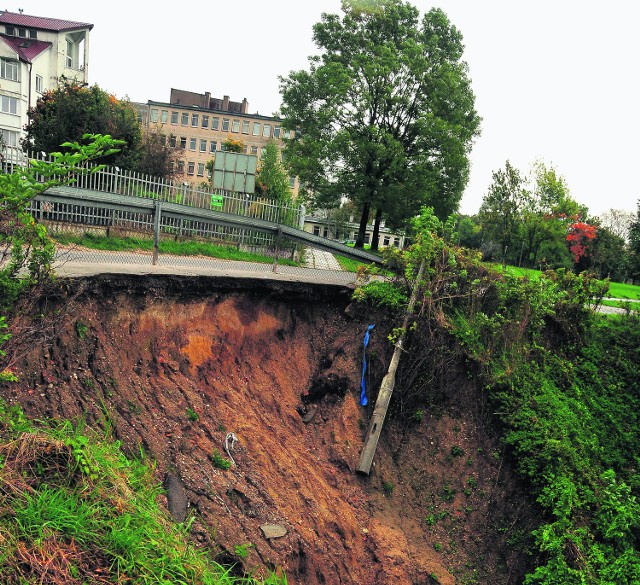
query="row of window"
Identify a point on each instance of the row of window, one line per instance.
(216, 123)
(386, 240)
(203, 145)
(23, 33)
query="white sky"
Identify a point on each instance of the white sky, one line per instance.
(554, 80)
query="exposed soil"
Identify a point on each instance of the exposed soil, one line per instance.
(278, 365)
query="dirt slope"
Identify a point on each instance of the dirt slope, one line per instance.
(150, 355)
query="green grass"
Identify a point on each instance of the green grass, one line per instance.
(73, 509)
(348, 264)
(617, 290)
(189, 248)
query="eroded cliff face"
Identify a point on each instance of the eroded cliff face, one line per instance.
(172, 366)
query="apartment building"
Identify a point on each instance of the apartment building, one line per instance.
(35, 53)
(198, 125)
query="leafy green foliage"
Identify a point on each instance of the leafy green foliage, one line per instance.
(272, 179)
(384, 114)
(71, 111)
(381, 294)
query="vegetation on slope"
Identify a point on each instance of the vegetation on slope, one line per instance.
(564, 383)
(74, 509)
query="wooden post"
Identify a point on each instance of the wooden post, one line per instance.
(277, 251)
(386, 388)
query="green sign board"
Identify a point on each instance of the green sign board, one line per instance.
(216, 201)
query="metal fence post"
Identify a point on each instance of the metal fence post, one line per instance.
(157, 211)
(277, 251)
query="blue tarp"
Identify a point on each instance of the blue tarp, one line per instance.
(363, 394)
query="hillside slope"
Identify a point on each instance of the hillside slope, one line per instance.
(176, 364)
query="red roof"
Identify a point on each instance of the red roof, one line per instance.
(27, 50)
(39, 22)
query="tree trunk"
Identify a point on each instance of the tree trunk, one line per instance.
(375, 238)
(364, 219)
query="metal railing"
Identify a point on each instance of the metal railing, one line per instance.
(134, 184)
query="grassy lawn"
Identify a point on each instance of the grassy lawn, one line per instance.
(190, 248)
(617, 290)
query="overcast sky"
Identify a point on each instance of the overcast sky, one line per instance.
(556, 81)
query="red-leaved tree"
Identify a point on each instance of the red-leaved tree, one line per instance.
(580, 235)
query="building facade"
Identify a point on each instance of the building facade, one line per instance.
(36, 53)
(197, 125)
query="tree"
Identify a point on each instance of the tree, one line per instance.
(580, 240)
(634, 246)
(155, 155)
(546, 212)
(385, 114)
(500, 212)
(271, 179)
(609, 256)
(617, 221)
(66, 114)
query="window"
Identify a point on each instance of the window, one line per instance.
(183, 143)
(171, 167)
(215, 122)
(200, 169)
(205, 121)
(172, 141)
(10, 69)
(33, 35)
(235, 126)
(367, 238)
(39, 84)
(191, 168)
(154, 115)
(385, 241)
(9, 105)
(225, 124)
(10, 31)
(203, 145)
(316, 230)
(164, 116)
(245, 149)
(276, 132)
(195, 120)
(325, 232)
(266, 131)
(292, 182)
(9, 137)
(245, 127)
(192, 144)
(396, 242)
(181, 166)
(69, 60)
(254, 150)
(256, 128)
(174, 117)
(22, 32)
(213, 146)
(184, 119)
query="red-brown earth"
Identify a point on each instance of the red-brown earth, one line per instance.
(150, 355)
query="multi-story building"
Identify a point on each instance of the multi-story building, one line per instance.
(36, 53)
(198, 125)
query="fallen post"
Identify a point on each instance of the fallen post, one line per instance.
(386, 388)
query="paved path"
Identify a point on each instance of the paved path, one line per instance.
(320, 260)
(75, 262)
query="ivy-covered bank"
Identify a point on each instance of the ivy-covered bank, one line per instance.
(562, 382)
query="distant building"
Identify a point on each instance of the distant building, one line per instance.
(36, 53)
(323, 223)
(198, 125)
